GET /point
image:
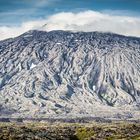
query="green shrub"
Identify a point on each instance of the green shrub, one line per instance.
(84, 133)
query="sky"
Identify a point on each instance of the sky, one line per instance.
(118, 16)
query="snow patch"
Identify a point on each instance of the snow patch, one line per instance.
(33, 66)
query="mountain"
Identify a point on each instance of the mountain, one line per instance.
(70, 74)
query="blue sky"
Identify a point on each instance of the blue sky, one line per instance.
(117, 16)
(14, 12)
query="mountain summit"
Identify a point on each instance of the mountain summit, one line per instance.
(62, 73)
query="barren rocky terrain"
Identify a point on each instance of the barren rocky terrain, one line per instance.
(64, 74)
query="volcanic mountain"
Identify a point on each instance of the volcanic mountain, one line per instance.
(63, 73)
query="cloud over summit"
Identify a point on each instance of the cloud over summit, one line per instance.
(81, 21)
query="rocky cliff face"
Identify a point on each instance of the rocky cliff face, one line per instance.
(62, 73)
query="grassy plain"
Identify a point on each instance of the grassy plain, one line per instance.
(119, 130)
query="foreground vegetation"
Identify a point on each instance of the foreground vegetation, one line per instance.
(70, 131)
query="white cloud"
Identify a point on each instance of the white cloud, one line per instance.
(82, 21)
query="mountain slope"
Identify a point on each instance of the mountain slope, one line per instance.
(60, 73)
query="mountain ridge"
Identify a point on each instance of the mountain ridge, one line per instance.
(61, 73)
